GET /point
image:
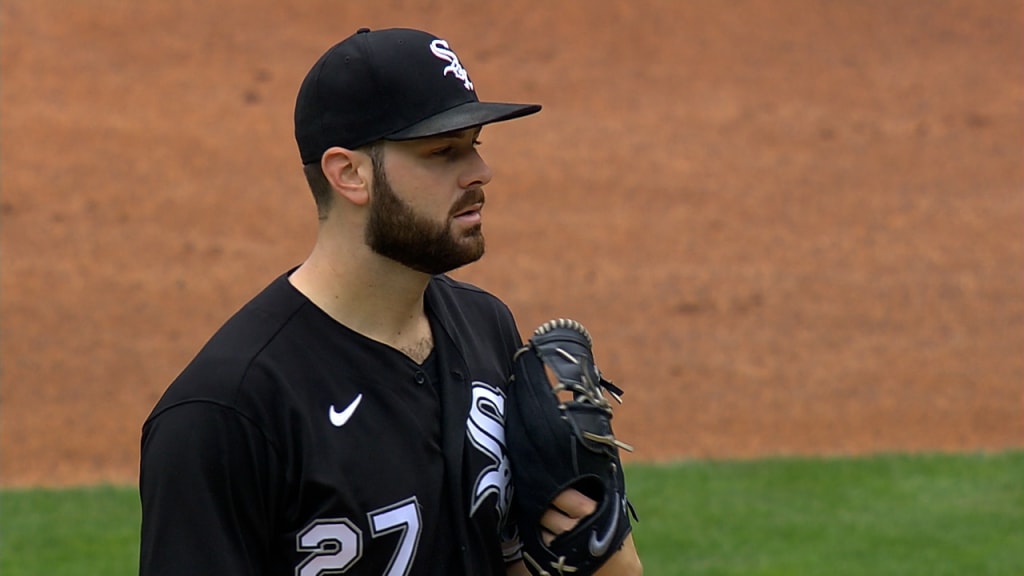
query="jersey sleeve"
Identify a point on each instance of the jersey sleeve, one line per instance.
(206, 482)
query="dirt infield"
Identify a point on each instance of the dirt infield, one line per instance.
(794, 226)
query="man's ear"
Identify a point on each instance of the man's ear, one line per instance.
(349, 173)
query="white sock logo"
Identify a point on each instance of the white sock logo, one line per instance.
(486, 430)
(441, 50)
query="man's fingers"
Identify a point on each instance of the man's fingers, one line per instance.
(564, 513)
(555, 521)
(574, 503)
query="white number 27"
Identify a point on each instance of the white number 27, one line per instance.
(335, 545)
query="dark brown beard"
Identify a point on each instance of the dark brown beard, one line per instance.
(396, 231)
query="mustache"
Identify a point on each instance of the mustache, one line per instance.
(469, 198)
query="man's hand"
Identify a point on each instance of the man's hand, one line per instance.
(558, 433)
(566, 510)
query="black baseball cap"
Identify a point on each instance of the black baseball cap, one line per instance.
(392, 84)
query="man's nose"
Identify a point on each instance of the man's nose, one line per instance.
(477, 174)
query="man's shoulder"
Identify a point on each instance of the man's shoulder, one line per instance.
(237, 351)
(446, 282)
(473, 316)
(462, 301)
(255, 326)
(463, 293)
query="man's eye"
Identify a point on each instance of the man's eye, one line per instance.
(450, 151)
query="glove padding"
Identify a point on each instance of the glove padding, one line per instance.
(559, 436)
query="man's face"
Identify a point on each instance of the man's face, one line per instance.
(447, 232)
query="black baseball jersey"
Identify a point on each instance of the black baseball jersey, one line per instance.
(292, 445)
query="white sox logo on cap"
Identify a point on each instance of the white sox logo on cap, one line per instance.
(389, 84)
(441, 50)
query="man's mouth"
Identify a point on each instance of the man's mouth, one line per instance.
(470, 205)
(472, 210)
(470, 216)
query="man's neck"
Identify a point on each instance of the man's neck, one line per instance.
(372, 295)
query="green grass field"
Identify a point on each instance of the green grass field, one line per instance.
(908, 515)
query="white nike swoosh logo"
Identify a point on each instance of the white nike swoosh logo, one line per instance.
(599, 546)
(340, 418)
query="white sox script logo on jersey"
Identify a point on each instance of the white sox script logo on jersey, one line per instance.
(441, 50)
(486, 430)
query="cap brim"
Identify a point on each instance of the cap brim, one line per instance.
(464, 116)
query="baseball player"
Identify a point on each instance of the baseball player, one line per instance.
(349, 419)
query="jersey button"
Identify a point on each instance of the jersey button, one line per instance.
(420, 377)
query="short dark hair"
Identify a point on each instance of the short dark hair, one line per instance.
(323, 193)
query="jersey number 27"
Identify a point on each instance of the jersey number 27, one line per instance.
(335, 545)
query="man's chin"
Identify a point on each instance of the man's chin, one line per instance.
(472, 231)
(465, 259)
(472, 250)
(470, 238)
(475, 249)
